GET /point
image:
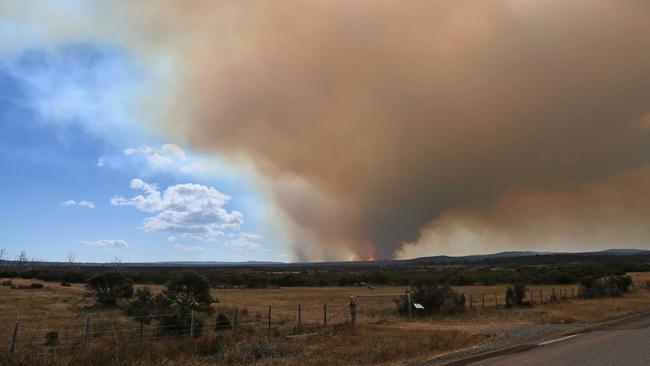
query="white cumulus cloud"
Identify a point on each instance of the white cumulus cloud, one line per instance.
(190, 210)
(106, 243)
(82, 203)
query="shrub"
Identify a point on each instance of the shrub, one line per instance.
(36, 285)
(108, 287)
(187, 291)
(436, 298)
(6, 282)
(613, 286)
(516, 295)
(142, 305)
(222, 323)
(51, 338)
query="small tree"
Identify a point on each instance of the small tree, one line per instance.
(188, 291)
(108, 287)
(143, 305)
(515, 295)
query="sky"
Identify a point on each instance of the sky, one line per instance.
(322, 130)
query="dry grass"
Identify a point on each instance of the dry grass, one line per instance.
(391, 340)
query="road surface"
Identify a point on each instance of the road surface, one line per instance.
(624, 343)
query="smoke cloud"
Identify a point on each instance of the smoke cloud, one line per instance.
(386, 127)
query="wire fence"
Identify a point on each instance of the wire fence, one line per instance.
(62, 336)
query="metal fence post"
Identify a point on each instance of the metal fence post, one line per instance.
(192, 324)
(86, 331)
(325, 314)
(353, 310)
(12, 344)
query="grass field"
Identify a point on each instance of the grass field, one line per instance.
(385, 339)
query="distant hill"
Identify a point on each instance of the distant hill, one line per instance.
(508, 257)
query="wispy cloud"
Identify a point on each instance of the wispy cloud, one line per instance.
(189, 248)
(82, 203)
(106, 243)
(245, 242)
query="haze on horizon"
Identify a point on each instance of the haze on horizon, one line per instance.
(328, 130)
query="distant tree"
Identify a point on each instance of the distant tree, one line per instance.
(21, 260)
(108, 287)
(3, 255)
(72, 258)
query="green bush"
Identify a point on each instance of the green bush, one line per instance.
(108, 287)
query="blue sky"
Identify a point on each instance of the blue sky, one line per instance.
(72, 154)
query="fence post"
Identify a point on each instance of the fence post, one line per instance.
(482, 301)
(353, 310)
(410, 304)
(299, 315)
(12, 345)
(471, 305)
(496, 301)
(141, 328)
(235, 311)
(380, 317)
(269, 329)
(192, 324)
(86, 331)
(324, 314)
(541, 299)
(572, 294)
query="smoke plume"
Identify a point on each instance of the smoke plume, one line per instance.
(381, 123)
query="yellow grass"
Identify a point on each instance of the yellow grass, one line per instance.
(62, 309)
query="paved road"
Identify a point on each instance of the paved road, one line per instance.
(622, 343)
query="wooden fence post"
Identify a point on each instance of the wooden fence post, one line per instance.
(299, 315)
(380, 315)
(410, 304)
(471, 304)
(496, 301)
(353, 310)
(12, 344)
(482, 301)
(572, 294)
(141, 328)
(269, 328)
(192, 324)
(86, 331)
(325, 314)
(541, 299)
(235, 312)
